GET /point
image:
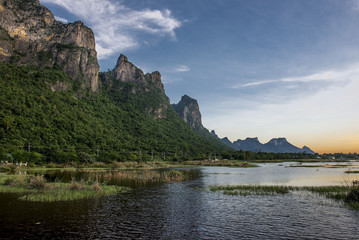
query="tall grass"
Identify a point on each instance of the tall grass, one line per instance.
(36, 188)
(146, 177)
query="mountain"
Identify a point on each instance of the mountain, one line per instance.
(281, 145)
(188, 109)
(30, 35)
(55, 105)
(249, 144)
(275, 145)
(224, 140)
(306, 149)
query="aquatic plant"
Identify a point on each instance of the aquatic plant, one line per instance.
(349, 195)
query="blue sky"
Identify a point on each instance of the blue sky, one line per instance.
(258, 68)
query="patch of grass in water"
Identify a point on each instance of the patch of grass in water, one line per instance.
(222, 163)
(349, 195)
(351, 171)
(36, 188)
(322, 166)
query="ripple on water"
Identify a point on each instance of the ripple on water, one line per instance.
(179, 211)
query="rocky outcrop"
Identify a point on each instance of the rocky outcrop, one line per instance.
(188, 109)
(148, 85)
(127, 72)
(30, 35)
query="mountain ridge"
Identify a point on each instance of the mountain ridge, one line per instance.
(275, 145)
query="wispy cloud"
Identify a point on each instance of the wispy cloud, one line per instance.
(355, 5)
(116, 26)
(181, 68)
(342, 75)
(61, 19)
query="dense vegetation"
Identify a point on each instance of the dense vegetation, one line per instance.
(40, 125)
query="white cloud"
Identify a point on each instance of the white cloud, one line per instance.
(181, 68)
(61, 19)
(116, 26)
(346, 74)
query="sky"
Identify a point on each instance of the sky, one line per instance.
(258, 68)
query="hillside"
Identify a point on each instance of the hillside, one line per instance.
(56, 106)
(77, 125)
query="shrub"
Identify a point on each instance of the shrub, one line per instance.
(36, 182)
(75, 185)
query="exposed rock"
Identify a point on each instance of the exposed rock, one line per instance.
(155, 78)
(30, 35)
(188, 109)
(126, 72)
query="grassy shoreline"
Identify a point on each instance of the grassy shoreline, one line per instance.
(129, 165)
(37, 189)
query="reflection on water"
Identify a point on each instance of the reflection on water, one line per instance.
(180, 211)
(281, 174)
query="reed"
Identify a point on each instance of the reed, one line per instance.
(36, 188)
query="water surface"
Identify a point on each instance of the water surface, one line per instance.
(183, 210)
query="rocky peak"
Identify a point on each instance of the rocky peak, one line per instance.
(30, 35)
(255, 139)
(122, 58)
(125, 71)
(214, 134)
(278, 141)
(188, 109)
(155, 78)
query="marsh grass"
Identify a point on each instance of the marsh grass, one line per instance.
(36, 188)
(146, 177)
(322, 166)
(245, 190)
(351, 171)
(223, 163)
(347, 194)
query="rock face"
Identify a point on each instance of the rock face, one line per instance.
(30, 35)
(188, 109)
(149, 85)
(275, 145)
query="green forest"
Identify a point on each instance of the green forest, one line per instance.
(39, 125)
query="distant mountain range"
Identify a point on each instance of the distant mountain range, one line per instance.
(275, 145)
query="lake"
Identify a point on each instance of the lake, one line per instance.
(186, 210)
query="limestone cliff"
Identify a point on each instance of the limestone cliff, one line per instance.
(188, 109)
(126, 78)
(30, 35)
